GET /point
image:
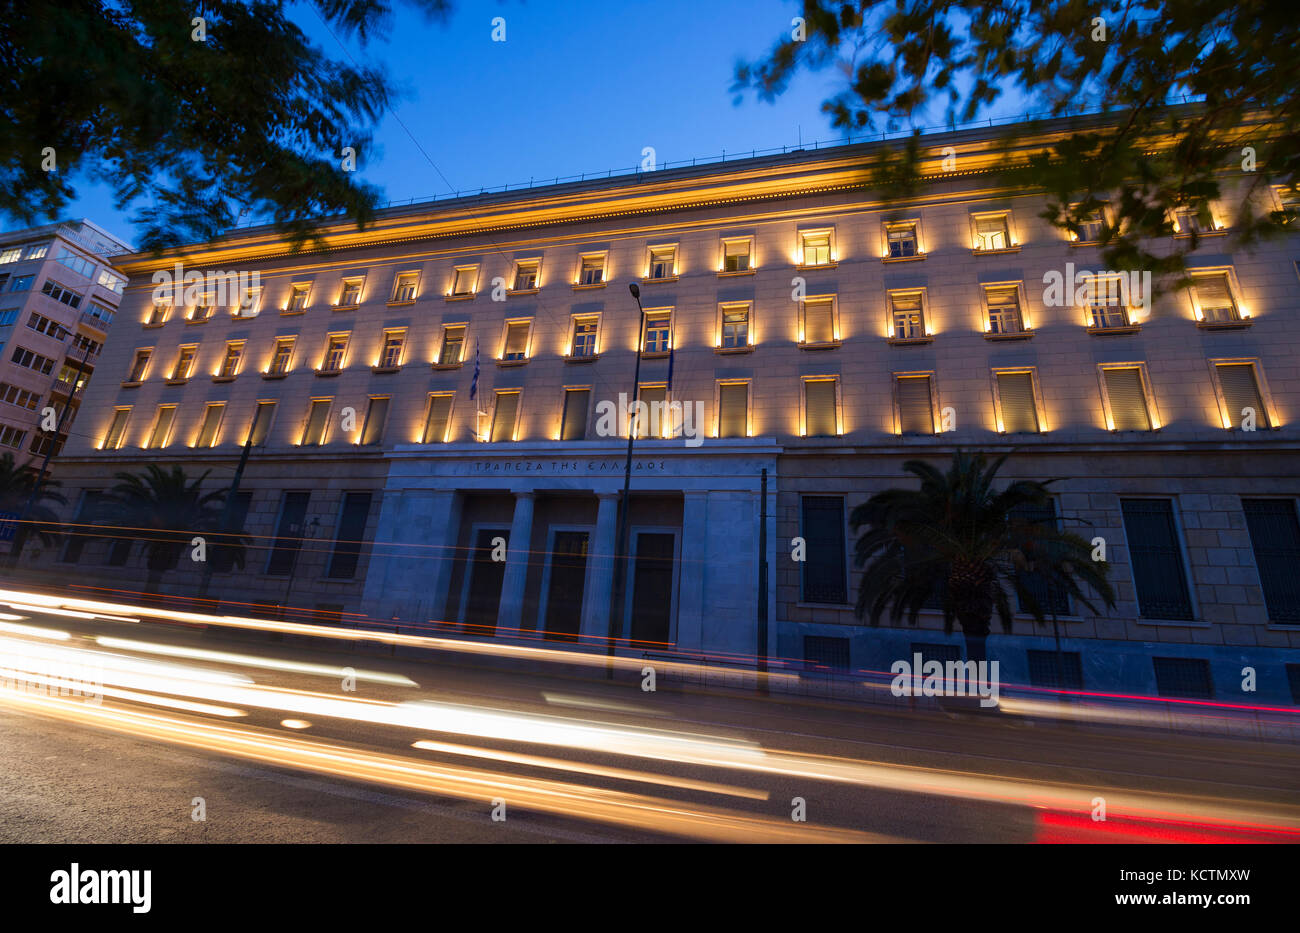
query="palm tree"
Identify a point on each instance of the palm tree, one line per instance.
(167, 509)
(958, 545)
(17, 484)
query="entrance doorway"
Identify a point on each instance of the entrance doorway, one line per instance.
(485, 578)
(565, 590)
(652, 587)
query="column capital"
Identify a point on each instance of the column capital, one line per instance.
(526, 494)
(608, 495)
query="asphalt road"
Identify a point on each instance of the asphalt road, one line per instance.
(527, 751)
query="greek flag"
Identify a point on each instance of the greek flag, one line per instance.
(473, 383)
(670, 369)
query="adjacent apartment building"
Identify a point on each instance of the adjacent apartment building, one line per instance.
(432, 406)
(59, 292)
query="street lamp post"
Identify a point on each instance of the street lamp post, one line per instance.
(620, 547)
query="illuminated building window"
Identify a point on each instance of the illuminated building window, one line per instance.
(817, 325)
(281, 355)
(1213, 296)
(733, 409)
(992, 232)
(1243, 402)
(250, 303)
(404, 286)
(261, 425)
(336, 349)
(437, 419)
(816, 248)
(234, 356)
(298, 295)
(1187, 220)
(1107, 307)
(821, 408)
(658, 332)
(1017, 402)
(350, 294)
(313, 432)
(526, 274)
(573, 418)
(592, 269)
(736, 254)
(663, 263)
(583, 342)
(390, 353)
(505, 413)
(158, 314)
(1090, 226)
(735, 326)
(1004, 315)
(204, 309)
(184, 365)
(140, 365)
(453, 344)
(117, 429)
(901, 240)
(465, 281)
(162, 426)
(515, 342)
(650, 420)
(210, 427)
(372, 429)
(907, 315)
(1126, 398)
(914, 398)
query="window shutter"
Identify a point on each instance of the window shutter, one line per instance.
(915, 410)
(1128, 403)
(373, 430)
(819, 408)
(733, 401)
(261, 423)
(651, 423)
(818, 325)
(1240, 390)
(573, 424)
(211, 419)
(503, 422)
(435, 428)
(1212, 292)
(315, 433)
(162, 427)
(516, 340)
(1016, 394)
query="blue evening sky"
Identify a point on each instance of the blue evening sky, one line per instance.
(578, 86)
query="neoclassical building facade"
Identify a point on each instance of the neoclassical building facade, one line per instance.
(429, 405)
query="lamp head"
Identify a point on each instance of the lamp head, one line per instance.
(634, 289)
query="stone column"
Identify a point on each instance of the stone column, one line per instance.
(694, 567)
(600, 570)
(510, 616)
(443, 537)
